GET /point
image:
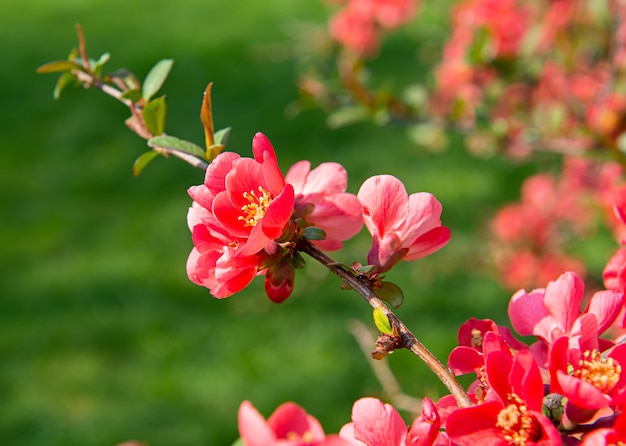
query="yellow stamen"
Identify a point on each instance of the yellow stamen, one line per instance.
(602, 373)
(517, 425)
(255, 210)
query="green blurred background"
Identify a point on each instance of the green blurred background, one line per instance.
(103, 338)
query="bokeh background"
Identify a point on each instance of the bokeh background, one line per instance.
(102, 337)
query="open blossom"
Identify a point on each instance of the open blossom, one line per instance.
(289, 425)
(321, 200)
(403, 227)
(242, 207)
(555, 311)
(375, 423)
(511, 412)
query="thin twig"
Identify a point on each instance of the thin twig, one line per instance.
(410, 342)
(383, 372)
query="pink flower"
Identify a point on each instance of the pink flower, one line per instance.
(614, 273)
(242, 207)
(377, 424)
(321, 200)
(555, 311)
(403, 227)
(289, 425)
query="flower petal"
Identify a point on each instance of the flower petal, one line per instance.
(253, 429)
(384, 200)
(377, 424)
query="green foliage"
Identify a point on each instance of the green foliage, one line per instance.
(155, 115)
(171, 142)
(382, 321)
(155, 78)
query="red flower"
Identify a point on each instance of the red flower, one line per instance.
(587, 377)
(511, 413)
(289, 425)
(242, 207)
(403, 227)
(322, 201)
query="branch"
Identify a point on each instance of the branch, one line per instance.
(410, 342)
(383, 373)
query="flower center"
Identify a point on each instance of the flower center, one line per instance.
(255, 210)
(517, 425)
(306, 438)
(603, 373)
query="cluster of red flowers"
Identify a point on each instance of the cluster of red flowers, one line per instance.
(568, 387)
(532, 70)
(247, 218)
(530, 237)
(360, 23)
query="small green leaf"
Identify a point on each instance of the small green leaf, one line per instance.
(173, 143)
(238, 442)
(142, 161)
(382, 321)
(96, 66)
(297, 260)
(154, 116)
(313, 233)
(156, 77)
(221, 136)
(59, 66)
(390, 293)
(64, 80)
(133, 95)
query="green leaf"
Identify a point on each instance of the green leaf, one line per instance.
(221, 136)
(382, 321)
(390, 293)
(313, 233)
(154, 116)
(238, 442)
(156, 77)
(297, 260)
(133, 95)
(64, 80)
(142, 161)
(96, 66)
(59, 66)
(173, 143)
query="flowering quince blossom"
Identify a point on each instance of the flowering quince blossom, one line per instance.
(321, 200)
(375, 423)
(511, 411)
(555, 311)
(403, 227)
(476, 339)
(242, 207)
(289, 425)
(590, 379)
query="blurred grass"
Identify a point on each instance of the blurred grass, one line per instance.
(103, 337)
